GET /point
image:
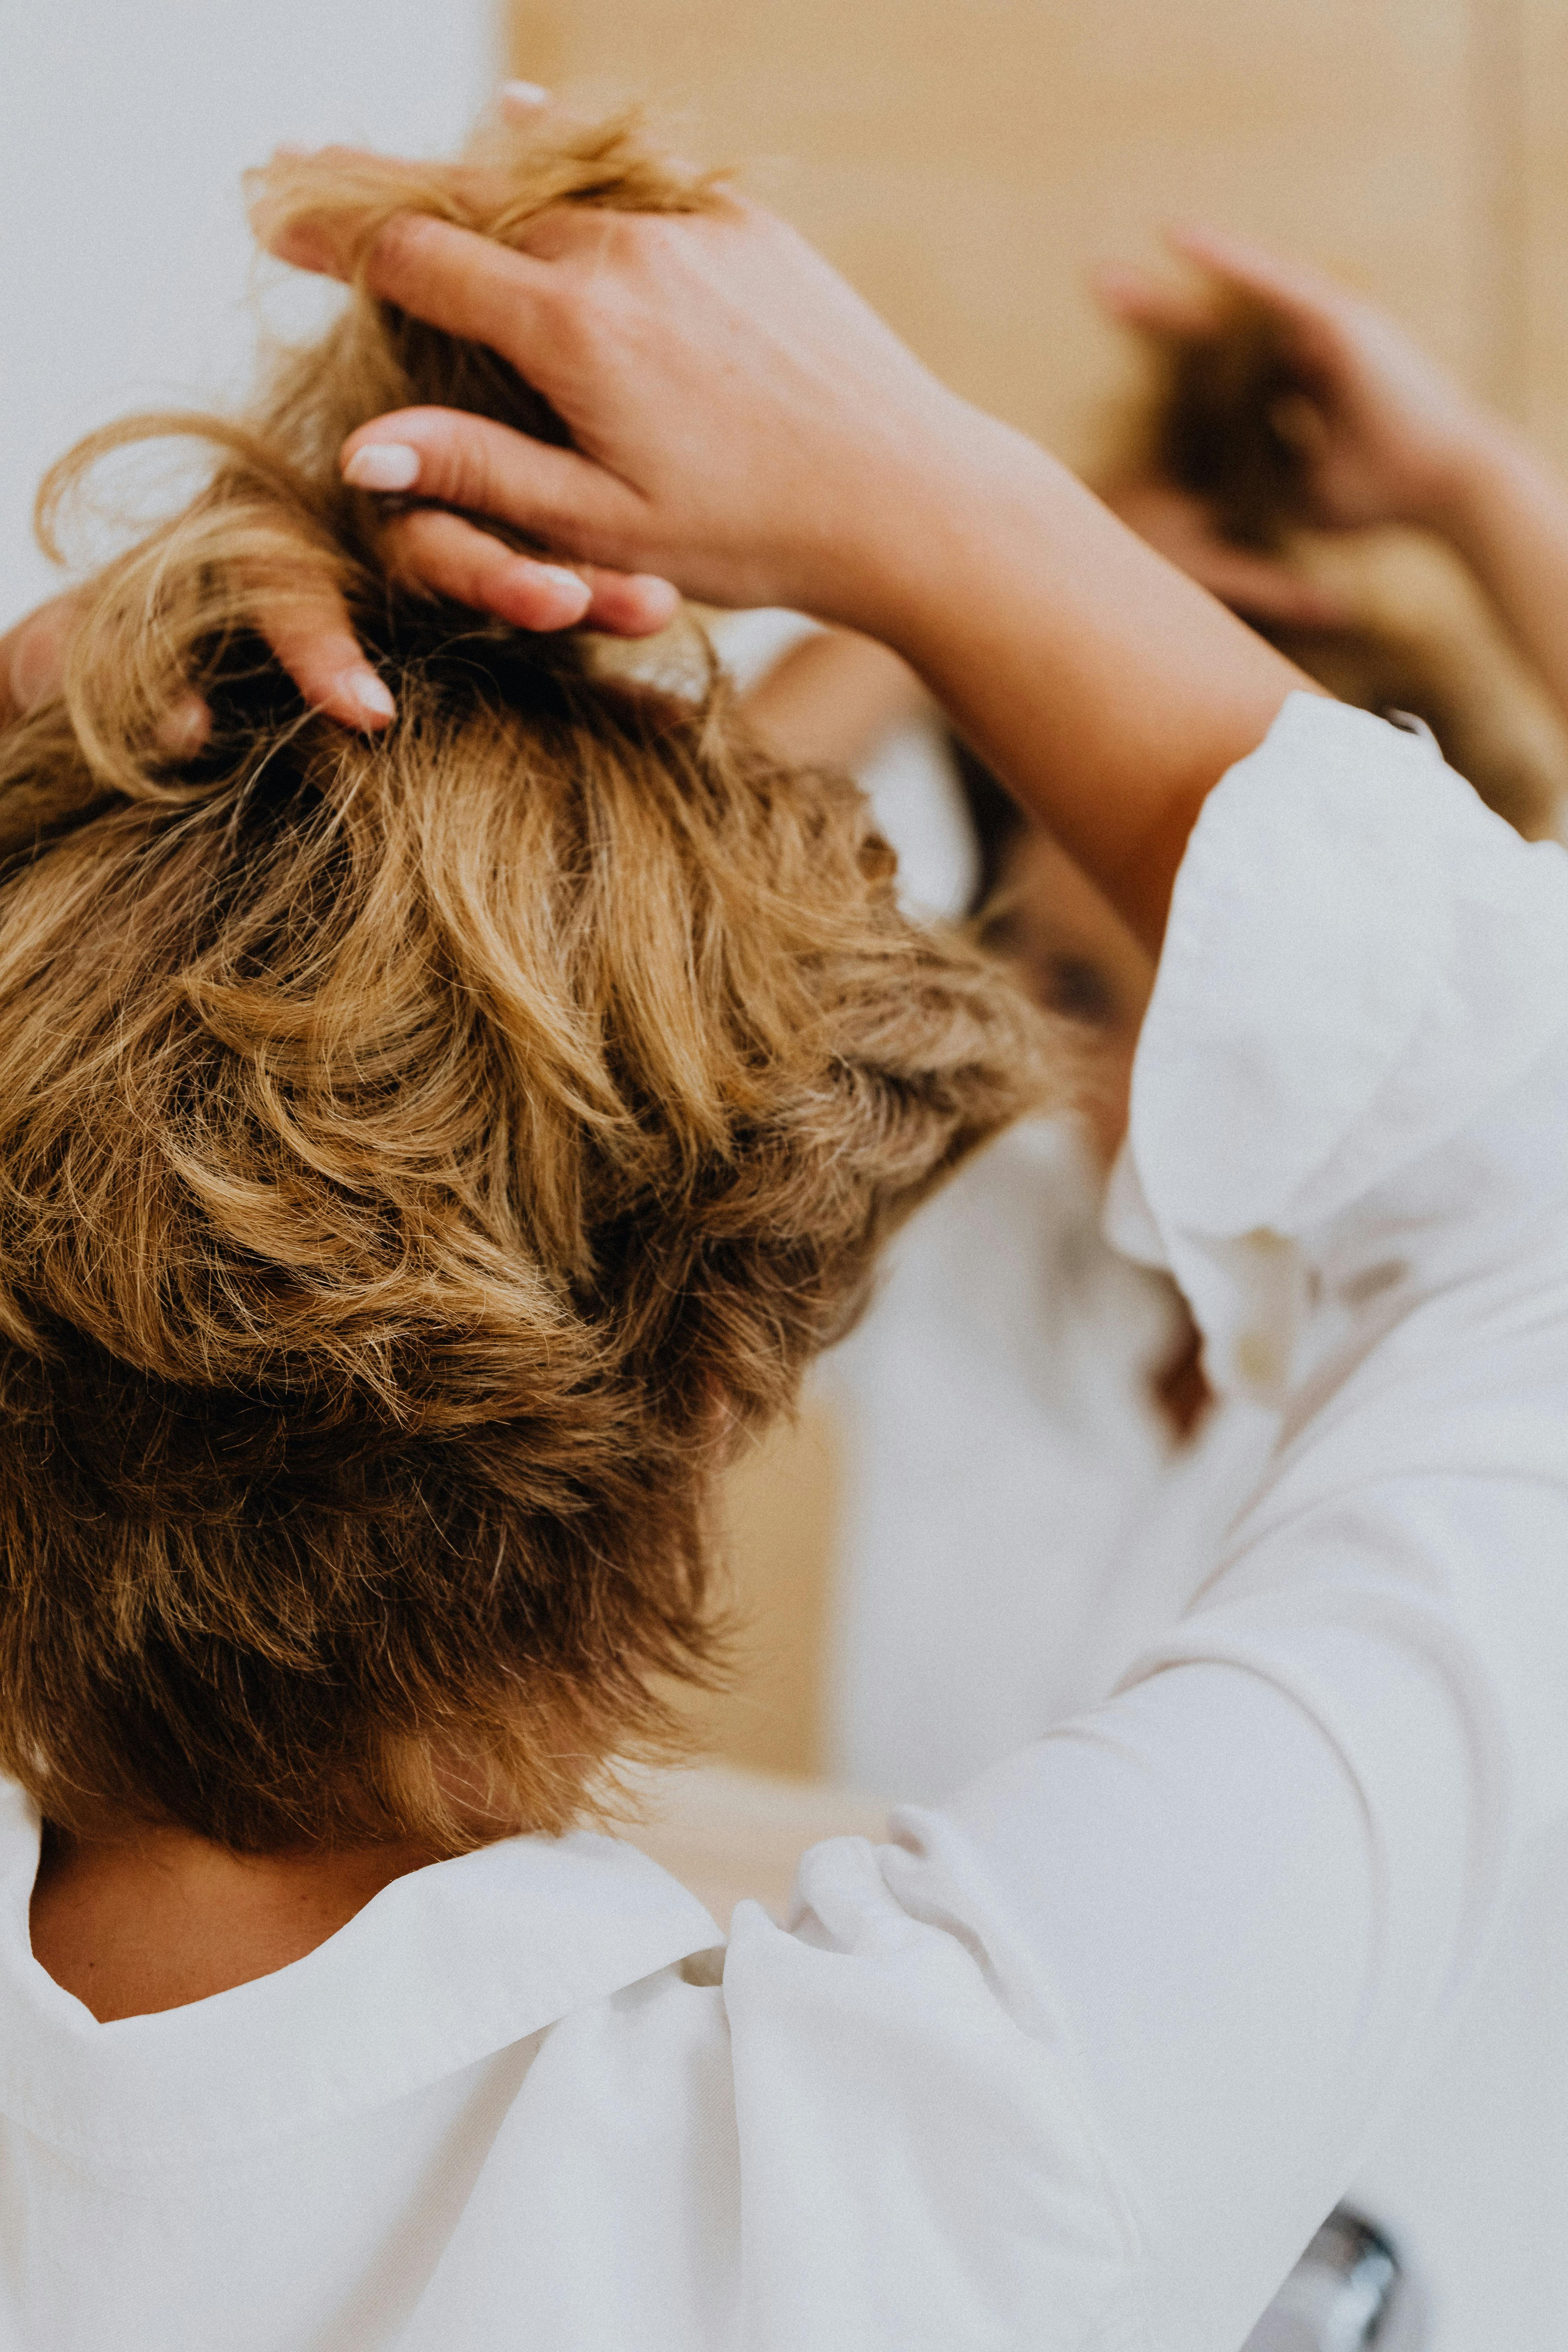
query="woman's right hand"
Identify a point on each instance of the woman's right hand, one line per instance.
(743, 425)
(1388, 434)
(732, 405)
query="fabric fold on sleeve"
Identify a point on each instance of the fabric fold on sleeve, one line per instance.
(1361, 958)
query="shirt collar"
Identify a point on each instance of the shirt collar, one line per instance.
(443, 1968)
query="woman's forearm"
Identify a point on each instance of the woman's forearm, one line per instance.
(1106, 689)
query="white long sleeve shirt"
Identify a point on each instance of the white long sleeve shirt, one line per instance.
(1080, 2060)
(995, 1407)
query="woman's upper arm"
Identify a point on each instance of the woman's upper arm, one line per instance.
(1257, 1880)
(1098, 2045)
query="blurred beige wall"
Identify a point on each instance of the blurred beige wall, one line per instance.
(966, 161)
(1531, 246)
(780, 1521)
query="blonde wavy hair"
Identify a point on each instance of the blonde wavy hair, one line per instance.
(419, 1156)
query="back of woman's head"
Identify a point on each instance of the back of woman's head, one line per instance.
(418, 1155)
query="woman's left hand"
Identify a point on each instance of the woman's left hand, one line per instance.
(1385, 433)
(315, 641)
(33, 656)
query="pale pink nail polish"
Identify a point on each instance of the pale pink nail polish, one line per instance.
(559, 577)
(659, 596)
(522, 97)
(186, 726)
(370, 692)
(383, 465)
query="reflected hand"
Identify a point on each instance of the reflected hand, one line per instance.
(1386, 433)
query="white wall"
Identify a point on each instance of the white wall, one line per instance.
(124, 126)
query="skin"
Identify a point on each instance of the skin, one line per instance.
(747, 429)
(1389, 438)
(149, 1919)
(316, 643)
(832, 698)
(1003, 582)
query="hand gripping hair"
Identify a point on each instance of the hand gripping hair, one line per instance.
(418, 1155)
(1220, 424)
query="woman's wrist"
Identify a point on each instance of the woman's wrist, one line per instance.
(1507, 518)
(1101, 682)
(968, 521)
(918, 501)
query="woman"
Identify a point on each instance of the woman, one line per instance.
(1074, 1403)
(1085, 2057)
(1013, 1388)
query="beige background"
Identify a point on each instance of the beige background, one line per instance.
(966, 161)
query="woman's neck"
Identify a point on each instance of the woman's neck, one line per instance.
(156, 1917)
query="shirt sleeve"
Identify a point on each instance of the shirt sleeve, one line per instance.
(1234, 1905)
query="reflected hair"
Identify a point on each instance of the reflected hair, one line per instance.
(1221, 420)
(421, 1158)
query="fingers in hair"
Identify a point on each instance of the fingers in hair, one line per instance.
(186, 726)
(1241, 262)
(1236, 264)
(1270, 592)
(325, 245)
(445, 555)
(313, 639)
(489, 469)
(629, 604)
(464, 283)
(522, 103)
(1151, 304)
(448, 557)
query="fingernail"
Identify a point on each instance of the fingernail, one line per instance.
(527, 97)
(186, 726)
(559, 577)
(659, 596)
(383, 466)
(369, 692)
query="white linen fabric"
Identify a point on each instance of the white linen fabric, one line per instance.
(1080, 2060)
(996, 1408)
